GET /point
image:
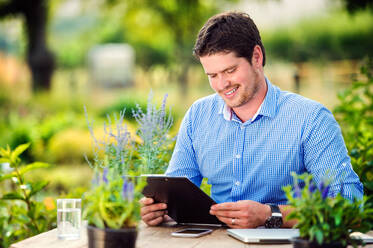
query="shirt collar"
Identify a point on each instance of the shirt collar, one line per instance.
(267, 108)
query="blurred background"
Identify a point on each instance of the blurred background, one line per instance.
(58, 56)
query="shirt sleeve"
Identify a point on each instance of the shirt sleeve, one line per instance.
(183, 161)
(325, 155)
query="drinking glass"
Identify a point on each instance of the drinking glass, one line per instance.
(68, 218)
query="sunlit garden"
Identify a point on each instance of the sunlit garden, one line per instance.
(86, 85)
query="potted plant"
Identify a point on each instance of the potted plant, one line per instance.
(111, 206)
(325, 221)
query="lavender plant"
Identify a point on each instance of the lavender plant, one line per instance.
(113, 149)
(113, 200)
(154, 127)
(322, 219)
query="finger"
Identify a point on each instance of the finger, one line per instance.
(225, 206)
(226, 214)
(146, 201)
(167, 218)
(153, 207)
(153, 215)
(155, 222)
(228, 222)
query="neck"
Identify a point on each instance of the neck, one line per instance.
(248, 110)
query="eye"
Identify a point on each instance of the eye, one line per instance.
(212, 76)
(231, 70)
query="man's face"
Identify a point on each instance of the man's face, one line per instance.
(232, 77)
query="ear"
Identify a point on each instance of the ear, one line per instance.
(257, 59)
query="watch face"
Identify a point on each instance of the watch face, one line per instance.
(273, 222)
(277, 222)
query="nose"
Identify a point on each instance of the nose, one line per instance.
(223, 82)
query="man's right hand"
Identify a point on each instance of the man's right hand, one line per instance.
(153, 213)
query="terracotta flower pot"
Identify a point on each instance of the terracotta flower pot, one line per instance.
(111, 238)
(304, 243)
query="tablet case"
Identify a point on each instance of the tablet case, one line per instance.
(186, 203)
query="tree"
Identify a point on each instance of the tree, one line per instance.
(40, 59)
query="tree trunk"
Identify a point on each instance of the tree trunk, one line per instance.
(39, 58)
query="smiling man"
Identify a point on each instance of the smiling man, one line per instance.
(248, 137)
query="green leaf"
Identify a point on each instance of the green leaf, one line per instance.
(36, 187)
(368, 185)
(97, 221)
(5, 152)
(319, 236)
(12, 196)
(32, 166)
(338, 218)
(19, 150)
(4, 160)
(4, 177)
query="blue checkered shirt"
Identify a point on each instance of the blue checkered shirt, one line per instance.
(254, 160)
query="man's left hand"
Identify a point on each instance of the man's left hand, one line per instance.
(241, 214)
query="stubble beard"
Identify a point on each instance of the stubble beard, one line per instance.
(247, 94)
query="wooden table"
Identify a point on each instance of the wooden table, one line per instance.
(149, 237)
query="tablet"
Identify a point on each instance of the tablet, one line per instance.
(186, 203)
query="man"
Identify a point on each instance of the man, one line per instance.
(248, 137)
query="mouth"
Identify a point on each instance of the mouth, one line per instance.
(229, 93)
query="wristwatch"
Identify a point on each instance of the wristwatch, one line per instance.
(275, 220)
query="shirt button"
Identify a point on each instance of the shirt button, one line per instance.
(238, 156)
(242, 126)
(237, 183)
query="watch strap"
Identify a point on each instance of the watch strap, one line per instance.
(275, 210)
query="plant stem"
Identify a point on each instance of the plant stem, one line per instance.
(27, 199)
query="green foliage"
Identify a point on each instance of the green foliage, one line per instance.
(335, 37)
(126, 103)
(43, 131)
(205, 187)
(323, 219)
(65, 179)
(21, 216)
(353, 5)
(67, 146)
(355, 114)
(82, 33)
(144, 24)
(19, 131)
(154, 18)
(110, 204)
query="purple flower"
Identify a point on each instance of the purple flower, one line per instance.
(321, 186)
(325, 192)
(297, 192)
(96, 178)
(127, 190)
(312, 187)
(104, 175)
(324, 189)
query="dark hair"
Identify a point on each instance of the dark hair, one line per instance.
(229, 32)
